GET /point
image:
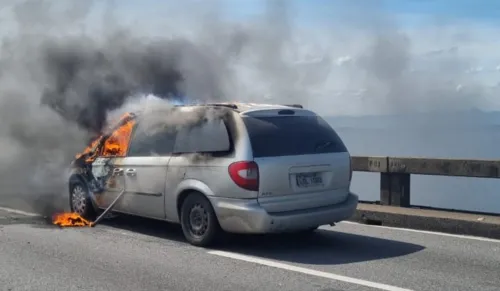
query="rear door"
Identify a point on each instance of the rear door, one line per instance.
(202, 154)
(145, 172)
(302, 161)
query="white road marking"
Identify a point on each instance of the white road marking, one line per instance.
(16, 211)
(478, 238)
(306, 271)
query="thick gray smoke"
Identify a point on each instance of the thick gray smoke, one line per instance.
(64, 68)
(58, 85)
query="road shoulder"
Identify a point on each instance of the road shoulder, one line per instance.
(429, 220)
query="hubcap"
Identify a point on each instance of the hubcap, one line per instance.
(79, 200)
(198, 220)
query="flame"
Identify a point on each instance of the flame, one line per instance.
(90, 150)
(115, 145)
(67, 219)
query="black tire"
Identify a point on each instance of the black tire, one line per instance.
(79, 200)
(198, 220)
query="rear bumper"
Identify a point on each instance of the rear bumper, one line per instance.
(246, 216)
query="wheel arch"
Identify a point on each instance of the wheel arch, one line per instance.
(187, 187)
(76, 178)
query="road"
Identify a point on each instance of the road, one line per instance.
(138, 254)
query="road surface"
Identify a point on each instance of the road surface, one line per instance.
(137, 254)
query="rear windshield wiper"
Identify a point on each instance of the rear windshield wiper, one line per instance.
(322, 145)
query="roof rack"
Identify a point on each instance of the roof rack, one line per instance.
(294, 105)
(232, 106)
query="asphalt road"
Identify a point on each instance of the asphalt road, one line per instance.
(138, 254)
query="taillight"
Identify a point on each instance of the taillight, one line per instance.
(245, 174)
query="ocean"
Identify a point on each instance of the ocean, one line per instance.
(473, 135)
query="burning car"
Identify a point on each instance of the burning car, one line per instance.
(242, 168)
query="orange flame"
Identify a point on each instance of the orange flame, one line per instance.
(90, 149)
(68, 219)
(116, 145)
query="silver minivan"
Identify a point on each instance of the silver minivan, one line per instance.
(239, 168)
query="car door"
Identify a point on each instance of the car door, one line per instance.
(189, 163)
(107, 172)
(145, 172)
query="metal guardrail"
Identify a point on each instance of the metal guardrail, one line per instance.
(395, 173)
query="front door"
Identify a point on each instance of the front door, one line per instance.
(109, 181)
(108, 175)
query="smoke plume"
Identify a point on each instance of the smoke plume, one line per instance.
(66, 67)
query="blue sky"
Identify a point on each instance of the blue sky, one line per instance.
(408, 12)
(455, 9)
(451, 10)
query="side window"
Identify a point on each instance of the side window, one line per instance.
(160, 143)
(209, 137)
(117, 143)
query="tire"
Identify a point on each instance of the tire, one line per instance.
(198, 220)
(79, 200)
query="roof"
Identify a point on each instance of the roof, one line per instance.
(241, 107)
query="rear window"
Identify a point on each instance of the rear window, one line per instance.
(292, 135)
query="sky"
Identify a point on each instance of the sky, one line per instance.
(484, 10)
(318, 11)
(455, 39)
(441, 29)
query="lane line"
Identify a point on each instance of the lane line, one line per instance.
(16, 211)
(478, 238)
(306, 271)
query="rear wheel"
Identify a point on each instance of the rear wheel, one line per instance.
(198, 220)
(79, 200)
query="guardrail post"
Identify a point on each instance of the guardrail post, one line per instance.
(395, 189)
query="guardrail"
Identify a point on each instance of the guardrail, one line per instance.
(395, 173)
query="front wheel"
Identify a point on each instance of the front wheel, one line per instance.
(198, 220)
(80, 202)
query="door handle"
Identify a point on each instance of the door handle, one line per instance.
(130, 172)
(117, 172)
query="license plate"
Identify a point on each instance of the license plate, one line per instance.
(309, 180)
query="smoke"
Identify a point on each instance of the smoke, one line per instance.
(66, 68)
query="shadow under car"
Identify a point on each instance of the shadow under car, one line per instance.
(323, 247)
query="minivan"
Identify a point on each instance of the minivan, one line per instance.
(233, 167)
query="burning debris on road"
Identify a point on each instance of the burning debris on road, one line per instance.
(69, 220)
